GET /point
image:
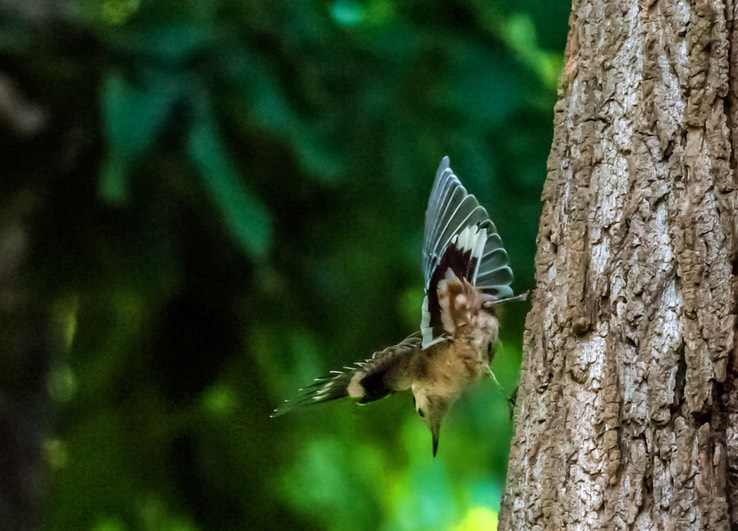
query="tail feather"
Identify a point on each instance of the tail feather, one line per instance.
(365, 381)
(321, 390)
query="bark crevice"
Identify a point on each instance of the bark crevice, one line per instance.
(627, 412)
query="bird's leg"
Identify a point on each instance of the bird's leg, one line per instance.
(510, 398)
(494, 379)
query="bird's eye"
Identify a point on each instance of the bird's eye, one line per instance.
(420, 412)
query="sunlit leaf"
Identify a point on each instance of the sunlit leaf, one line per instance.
(520, 35)
(220, 401)
(478, 519)
(347, 12)
(116, 12)
(61, 383)
(110, 523)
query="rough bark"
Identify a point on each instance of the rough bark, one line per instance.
(628, 404)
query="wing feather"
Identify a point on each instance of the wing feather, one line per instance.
(366, 381)
(459, 236)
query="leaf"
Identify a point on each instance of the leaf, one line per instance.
(245, 216)
(113, 186)
(269, 108)
(484, 85)
(133, 117)
(171, 43)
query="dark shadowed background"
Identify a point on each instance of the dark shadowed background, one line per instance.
(205, 205)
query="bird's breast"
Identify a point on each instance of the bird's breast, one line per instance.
(452, 365)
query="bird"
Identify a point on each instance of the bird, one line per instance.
(467, 276)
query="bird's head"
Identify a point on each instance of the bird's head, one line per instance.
(432, 408)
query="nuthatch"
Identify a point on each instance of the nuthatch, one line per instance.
(466, 276)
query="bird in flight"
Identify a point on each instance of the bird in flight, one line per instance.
(466, 277)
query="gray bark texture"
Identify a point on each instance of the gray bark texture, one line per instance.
(627, 413)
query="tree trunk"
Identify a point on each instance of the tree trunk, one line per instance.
(628, 403)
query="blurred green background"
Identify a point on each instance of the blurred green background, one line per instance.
(205, 205)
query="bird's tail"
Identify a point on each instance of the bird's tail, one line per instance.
(326, 389)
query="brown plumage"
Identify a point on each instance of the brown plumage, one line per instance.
(466, 276)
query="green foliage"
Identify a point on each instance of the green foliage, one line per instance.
(133, 117)
(246, 217)
(229, 203)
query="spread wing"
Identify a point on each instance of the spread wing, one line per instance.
(460, 237)
(366, 381)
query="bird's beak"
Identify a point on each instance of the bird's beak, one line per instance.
(435, 429)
